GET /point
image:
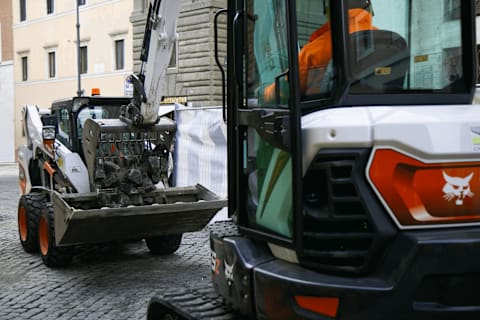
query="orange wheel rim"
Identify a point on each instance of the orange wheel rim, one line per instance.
(43, 236)
(22, 223)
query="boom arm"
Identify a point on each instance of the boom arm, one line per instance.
(159, 39)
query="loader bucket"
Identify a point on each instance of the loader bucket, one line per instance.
(79, 220)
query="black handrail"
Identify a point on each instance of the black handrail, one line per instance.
(224, 109)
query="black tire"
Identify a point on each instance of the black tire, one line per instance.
(29, 209)
(52, 256)
(164, 244)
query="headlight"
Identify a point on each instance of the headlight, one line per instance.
(48, 133)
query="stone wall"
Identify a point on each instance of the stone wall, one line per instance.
(196, 76)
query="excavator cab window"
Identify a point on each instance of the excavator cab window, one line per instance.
(267, 165)
(314, 40)
(404, 47)
(267, 54)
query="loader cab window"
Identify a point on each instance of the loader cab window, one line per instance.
(96, 112)
(90, 112)
(64, 127)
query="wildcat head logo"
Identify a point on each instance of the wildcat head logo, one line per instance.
(457, 188)
(229, 272)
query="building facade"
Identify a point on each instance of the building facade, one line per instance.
(45, 50)
(193, 74)
(7, 147)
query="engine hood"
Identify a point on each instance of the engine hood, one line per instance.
(431, 133)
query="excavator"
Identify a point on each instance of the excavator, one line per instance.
(354, 164)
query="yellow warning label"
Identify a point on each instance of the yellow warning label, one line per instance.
(174, 99)
(421, 58)
(383, 71)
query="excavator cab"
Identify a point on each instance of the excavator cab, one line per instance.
(294, 58)
(315, 88)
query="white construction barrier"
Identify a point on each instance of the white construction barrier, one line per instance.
(201, 150)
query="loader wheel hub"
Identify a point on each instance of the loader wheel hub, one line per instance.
(43, 236)
(22, 223)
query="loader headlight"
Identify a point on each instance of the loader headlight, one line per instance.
(48, 133)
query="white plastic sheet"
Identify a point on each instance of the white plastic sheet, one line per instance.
(201, 150)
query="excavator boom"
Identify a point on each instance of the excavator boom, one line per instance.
(158, 43)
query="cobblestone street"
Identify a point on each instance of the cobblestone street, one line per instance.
(103, 282)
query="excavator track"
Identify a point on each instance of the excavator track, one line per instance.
(200, 302)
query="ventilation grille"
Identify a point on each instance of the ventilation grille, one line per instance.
(337, 231)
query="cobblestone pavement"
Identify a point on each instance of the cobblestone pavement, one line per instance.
(105, 282)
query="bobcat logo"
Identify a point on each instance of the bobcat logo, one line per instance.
(229, 272)
(457, 188)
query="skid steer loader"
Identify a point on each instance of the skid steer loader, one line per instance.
(354, 165)
(96, 169)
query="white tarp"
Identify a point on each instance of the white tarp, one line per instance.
(201, 150)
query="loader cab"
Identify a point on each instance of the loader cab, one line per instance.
(72, 113)
(293, 58)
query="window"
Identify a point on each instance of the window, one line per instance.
(50, 6)
(315, 70)
(23, 10)
(452, 9)
(268, 171)
(81, 2)
(267, 54)
(64, 131)
(83, 59)
(52, 72)
(119, 54)
(24, 68)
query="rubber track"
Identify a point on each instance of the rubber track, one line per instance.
(197, 303)
(200, 302)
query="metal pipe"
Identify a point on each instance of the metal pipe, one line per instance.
(79, 89)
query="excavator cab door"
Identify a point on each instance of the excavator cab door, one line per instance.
(264, 125)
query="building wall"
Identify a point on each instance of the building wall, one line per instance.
(196, 76)
(7, 149)
(101, 23)
(6, 34)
